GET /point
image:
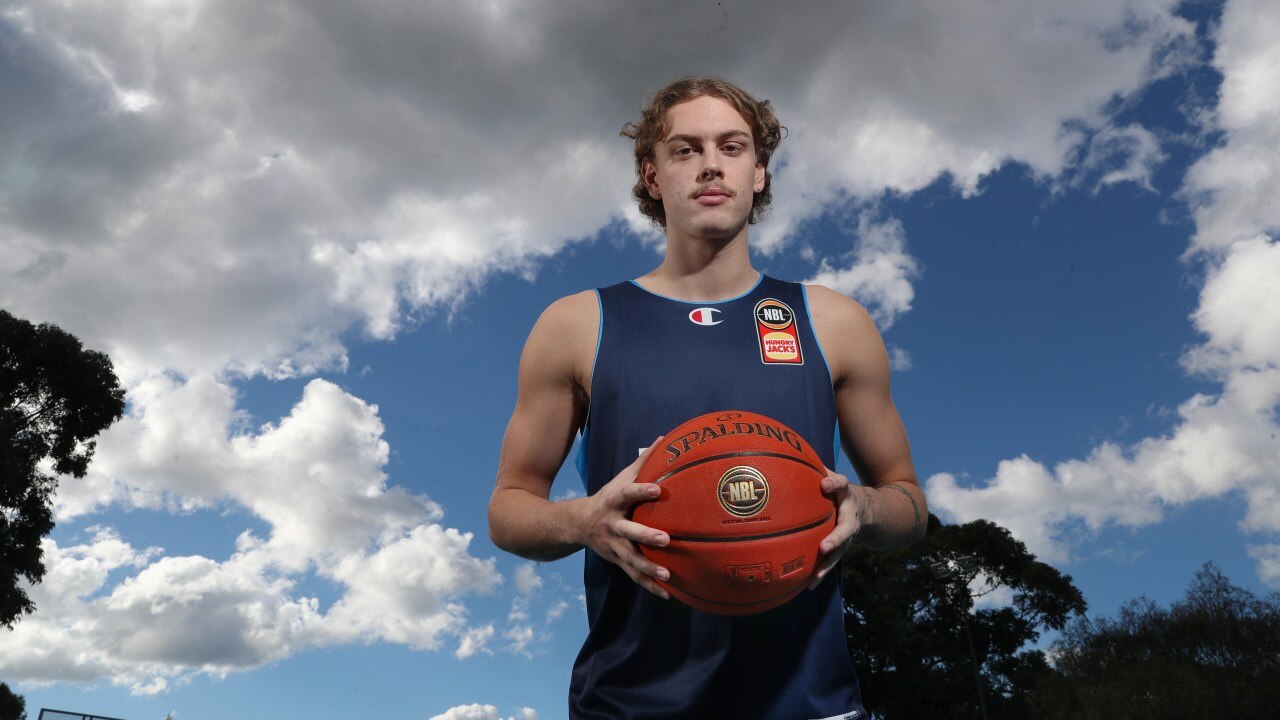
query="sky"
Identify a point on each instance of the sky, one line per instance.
(313, 236)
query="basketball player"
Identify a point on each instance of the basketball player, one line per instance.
(625, 363)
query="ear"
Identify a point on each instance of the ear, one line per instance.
(649, 173)
(759, 176)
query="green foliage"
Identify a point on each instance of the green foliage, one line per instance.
(906, 633)
(12, 705)
(1215, 653)
(55, 397)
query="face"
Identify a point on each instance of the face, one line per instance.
(705, 171)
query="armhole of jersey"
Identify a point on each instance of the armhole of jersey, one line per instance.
(580, 459)
(804, 292)
(836, 451)
(595, 359)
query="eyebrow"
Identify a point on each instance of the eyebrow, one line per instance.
(722, 137)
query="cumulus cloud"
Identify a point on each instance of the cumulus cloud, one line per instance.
(1224, 443)
(315, 478)
(483, 712)
(1220, 445)
(899, 359)
(473, 641)
(212, 187)
(216, 190)
(1268, 559)
(527, 579)
(184, 446)
(880, 272)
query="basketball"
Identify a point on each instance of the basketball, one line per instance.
(742, 503)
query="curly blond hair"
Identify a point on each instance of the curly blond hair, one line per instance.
(766, 133)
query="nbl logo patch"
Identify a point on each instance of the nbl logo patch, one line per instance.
(743, 491)
(776, 331)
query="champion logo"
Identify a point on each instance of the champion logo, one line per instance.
(705, 316)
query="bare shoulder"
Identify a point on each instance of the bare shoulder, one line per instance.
(850, 340)
(563, 340)
(570, 313)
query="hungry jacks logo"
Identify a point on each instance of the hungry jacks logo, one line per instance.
(776, 331)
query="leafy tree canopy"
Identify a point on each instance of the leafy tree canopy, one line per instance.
(1214, 653)
(906, 626)
(55, 397)
(12, 705)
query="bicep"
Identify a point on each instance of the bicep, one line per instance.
(550, 407)
(871, 430)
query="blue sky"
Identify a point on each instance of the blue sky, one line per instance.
(314, 240)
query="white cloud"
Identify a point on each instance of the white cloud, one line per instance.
(519, 637)
(400, 593)
(483, 712)
(184, 446)
(316, 478)
(1239, 308)
(1223, 443)
(1268, 559)
(988, 593)
(556, 611)
(1121, 154)
(206, 188)
(527, 579)
(211, 189)
(880, 273)
(899, 359)
(473, 641)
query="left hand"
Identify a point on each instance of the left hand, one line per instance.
(852, 504)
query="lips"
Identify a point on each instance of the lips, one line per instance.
(712, 196)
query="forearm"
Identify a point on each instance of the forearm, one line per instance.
(533, 527)
(895, 515)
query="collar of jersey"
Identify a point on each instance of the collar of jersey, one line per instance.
(701, 302)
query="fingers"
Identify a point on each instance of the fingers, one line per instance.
(840, 538)
(637, 533)
(646, 582)
(639, 568)
(828, 561)
(639, 492)
(835, 483)
(834, 546)
(630, 471)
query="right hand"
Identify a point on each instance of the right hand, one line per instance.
(615, 538)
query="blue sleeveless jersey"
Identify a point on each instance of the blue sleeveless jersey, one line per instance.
(659, 362)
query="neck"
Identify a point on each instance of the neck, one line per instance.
(699, 269)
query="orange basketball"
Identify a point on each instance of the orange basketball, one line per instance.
(742, 502)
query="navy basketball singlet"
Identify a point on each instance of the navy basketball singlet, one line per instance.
(659, 362)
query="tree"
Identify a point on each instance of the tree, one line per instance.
(12, 705)
(1215, 653)
(906, 626)
(55, 397)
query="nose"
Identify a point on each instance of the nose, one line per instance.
(710, 170)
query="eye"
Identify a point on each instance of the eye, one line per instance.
(733, 148)
(684, 151)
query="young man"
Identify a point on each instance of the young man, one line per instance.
(625, 363)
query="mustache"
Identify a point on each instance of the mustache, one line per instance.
(713, 186)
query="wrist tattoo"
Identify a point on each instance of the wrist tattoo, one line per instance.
(915, 507)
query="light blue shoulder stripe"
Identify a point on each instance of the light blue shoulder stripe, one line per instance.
(813, 329)
(580, 459)
(804, 292)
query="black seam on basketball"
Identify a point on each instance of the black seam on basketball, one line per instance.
(744, 453)
(745, 538)
(784, 596)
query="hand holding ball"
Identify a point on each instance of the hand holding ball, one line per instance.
(742, 503)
